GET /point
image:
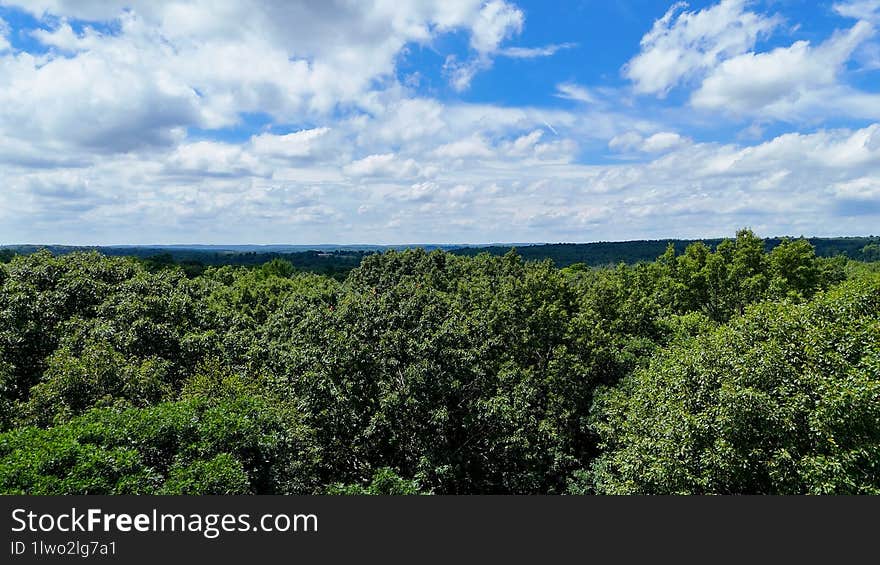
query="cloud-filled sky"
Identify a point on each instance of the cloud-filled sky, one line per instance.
(454, 121)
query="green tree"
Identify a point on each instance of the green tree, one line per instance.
(794, 271)
(385, 482)
(780, 401)
(99, 375)
(41, 292)
(871, 252)
(455, 370)
(244, 445)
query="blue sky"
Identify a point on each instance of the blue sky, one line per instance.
(459, 121)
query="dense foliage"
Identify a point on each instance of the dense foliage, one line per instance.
(784, 400)
(739, 367)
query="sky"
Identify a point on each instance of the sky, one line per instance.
(436, 121)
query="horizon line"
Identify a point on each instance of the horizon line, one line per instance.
(422, 244)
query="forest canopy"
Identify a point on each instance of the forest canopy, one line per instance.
(733, 367)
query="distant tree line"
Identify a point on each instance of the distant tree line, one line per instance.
(337, 263)
(631, 252)
(736, 367)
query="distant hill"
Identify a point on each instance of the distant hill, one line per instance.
(333, 262)
(337, 260)
(613, 252)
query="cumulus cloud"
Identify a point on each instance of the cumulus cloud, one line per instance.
(383, 165)
(865, 188)
(532, 147)
(299, 144)
(778, 81)
(681, 45)
(213, 159)
(831, 149)
(404, 121)
(656, 143)
(714, 51)
(63, 37)
(286, 122)
(473, 147)
(172, 65)
(496, 21)
(791, 184)
(106, 102)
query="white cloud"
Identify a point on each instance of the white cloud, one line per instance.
(497, 21)
(4, 36)
(868, 10)
(831, 149)
(63, 37)
(779, 81)
(530, 147)
(663, 141)
(213, 158)
(299, 144)
(714, 49)
(461, 73)
(535, 52)
(104, 102)
(865, 188)
(656, 143)
(383, 165)
(473, 147)
(212, 191)
(175, 65)
(773, 179)
(682, 45)
(629, 141)
(572, 91)
(526, 143)
(403, 121)
(418, 192)
(94, 145)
